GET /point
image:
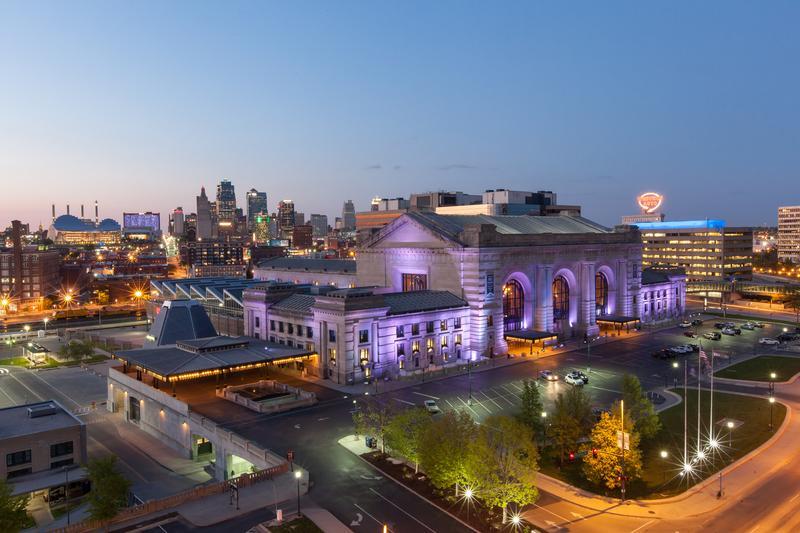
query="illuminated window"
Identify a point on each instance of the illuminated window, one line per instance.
(332, 355)
(560, 298)
(363, 355)
(443, 325)
(600, 292)
(415, 282)
(415, 347)
(513, 299)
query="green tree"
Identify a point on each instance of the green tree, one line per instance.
(404, 433)
(444, 448)
(641, 409)
(109, 492)
(372, 420)
(794, 303)
(572, 420)
(504, 458)
(13, 516)
(603, 464)
(531, 409)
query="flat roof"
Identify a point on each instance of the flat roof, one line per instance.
(530, 335)
(15, 422)
(45, 480)
(176, 362)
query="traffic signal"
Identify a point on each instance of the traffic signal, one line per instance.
(594, 453)
(571, 456)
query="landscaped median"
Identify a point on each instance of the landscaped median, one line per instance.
(661, 475)
(762, 368)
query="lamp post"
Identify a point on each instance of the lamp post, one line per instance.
(772, 376)
(468, 499)
(729, 425)
(45, 320)
(544, 423)
(771, 403)
(469, 379)
(675, 366)
(297, 475)
(664, 455)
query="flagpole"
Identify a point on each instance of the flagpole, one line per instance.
(697, 451)
(711, 409)
(685, 414)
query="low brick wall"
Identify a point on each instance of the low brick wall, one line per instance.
(295, 397)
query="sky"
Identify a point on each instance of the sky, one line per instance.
(139, 104)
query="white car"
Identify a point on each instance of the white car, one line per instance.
(685, 324)
(431, 407)
(548, 375)
(573, 378)
(768, 340)
(681, 349)
(728, 331)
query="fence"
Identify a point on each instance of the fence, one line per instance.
(154, 506)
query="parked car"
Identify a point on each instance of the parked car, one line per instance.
(583, 376)
(769, 341)
(787, 337)
(712, 335)
(697, 322)
(685, 324)
(694, 346)
(548, 375)
(759, 324)
(431, 407)
(691, 334)
(664, 354)
(728, 331)
(748, 326)
(598, 413)
(719, 325)
(574, 378)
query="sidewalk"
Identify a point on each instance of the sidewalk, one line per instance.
(484, 365)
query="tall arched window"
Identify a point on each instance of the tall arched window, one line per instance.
(513, 300)
(560, 298)
(601, 293)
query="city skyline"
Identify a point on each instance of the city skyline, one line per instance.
(322, 106)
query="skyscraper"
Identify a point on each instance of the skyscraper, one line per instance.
(204, 228)
(286, 220)
(348, 216)
(176, 220)
(789, 233)
(226, 204)
(320, 225)
(256, 205)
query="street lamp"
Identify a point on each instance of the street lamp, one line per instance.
(730, 425)
(771, 403)
(468, 498)
(45, 320)
(664, 455)
(297, 475)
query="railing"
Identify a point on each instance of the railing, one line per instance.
(154, 506)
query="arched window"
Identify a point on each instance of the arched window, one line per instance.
(513, 299)
(601, 293)
(560, 298)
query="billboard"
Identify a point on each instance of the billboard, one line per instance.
(649, 202)
(142, 220)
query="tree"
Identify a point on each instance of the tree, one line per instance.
(794, 303)
(603, 463)
(404, 433)
(572, 419)
(531, 409)
(13, 516)
(109, 491)
(444, 449)
(372, 421)
(76, 350)
(504, 458)
(642, 412)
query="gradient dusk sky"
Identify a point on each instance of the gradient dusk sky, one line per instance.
(138, 104)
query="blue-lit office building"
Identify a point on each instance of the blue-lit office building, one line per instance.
(707, 250)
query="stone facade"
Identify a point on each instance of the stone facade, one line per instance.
(476, 261)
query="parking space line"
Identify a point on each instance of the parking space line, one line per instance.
(601, 388)
(404, 401)
(503, 395)
(468, 406)
(412, 517)
(491, 399)
(453, 407)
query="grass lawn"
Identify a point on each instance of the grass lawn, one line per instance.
(299, 525)
(14, 361)
(660, 477)
(759, 368)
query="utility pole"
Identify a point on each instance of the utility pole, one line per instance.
(622, 417)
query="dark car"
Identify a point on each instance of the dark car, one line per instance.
(695, 347)
(713, 335)
(697, 322)
(583, 376)
(691, 334)
(664, 354)
(719, 325)
(738, 331)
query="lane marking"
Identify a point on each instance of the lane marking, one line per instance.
(26, 387)
(552, 513)
(426, 395)
(601, 388)
(414, 518)
(468, 406)
(64, 394)
(643, 526)
(453, 407)
(404, 401)
(368, 514)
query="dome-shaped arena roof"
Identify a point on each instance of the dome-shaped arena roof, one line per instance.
(108, 224)
(71, 223)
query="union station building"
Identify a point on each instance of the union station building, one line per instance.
(437, 290)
